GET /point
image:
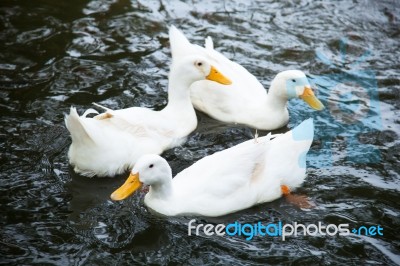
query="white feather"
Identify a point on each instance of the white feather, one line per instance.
(230, 180)
(245, 101)
(111, 142)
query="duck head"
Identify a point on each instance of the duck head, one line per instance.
(294, 84)
(151, 170)
(194, 68)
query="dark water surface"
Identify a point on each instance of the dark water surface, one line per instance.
(54, 54)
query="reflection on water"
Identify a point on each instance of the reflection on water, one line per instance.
(57, 54)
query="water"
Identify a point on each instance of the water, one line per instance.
(54, 54)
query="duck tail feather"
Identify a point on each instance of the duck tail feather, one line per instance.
(90, 111)
(209, 44)
(304, 131)
(180, 45)
(76, 128)
(101, 106)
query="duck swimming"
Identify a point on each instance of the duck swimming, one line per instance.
(246, 101)
(111, 142)
(256, 171)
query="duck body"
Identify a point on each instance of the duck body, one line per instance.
(111, 142)
(227, 181)
(110, 146)
(236, 107)
(245, 101)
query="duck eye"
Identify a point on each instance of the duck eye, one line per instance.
(151, 165)
(293, 80)
(199, 63)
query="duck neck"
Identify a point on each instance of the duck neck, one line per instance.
(161, 190)
(179, 94)
(179, 109)
(275, 100)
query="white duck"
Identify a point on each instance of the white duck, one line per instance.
(110, 143)
(246, 101)
(253, 172)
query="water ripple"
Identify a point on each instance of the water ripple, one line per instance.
(116, 52)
